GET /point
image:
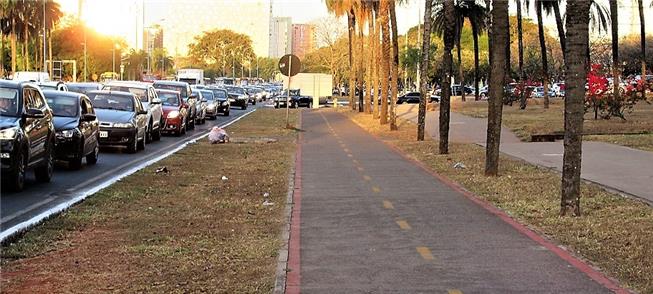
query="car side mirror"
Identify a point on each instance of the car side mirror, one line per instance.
(156, 101)
(34, 113)
(89, 117)
(141, 112)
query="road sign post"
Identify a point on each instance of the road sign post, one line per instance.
(289, 66)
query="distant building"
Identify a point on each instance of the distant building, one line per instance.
(303, 39)
(153, 38)
(280, 36)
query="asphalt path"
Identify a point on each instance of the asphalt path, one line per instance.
(16, 208)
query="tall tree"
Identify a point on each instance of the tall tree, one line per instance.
(642, 28)
(545, 62)
(477, 17)
(520, 52)
(616, 74)
(395, 66)
(361, 18)
(424, 68)
(370, 60)
(340, 8)
(376, 80)
(447, 61)
(385, 61)
(576, 68)
(499, 33)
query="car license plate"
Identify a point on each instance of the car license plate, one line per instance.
(104, 134)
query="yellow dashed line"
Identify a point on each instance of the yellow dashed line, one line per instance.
(360, 168)
(454, 291)
(367, 178)
(388, 205)
(425, 253)
(355, 161)
(403, 225)
(376, 189)
(346, 150)
(349, 155)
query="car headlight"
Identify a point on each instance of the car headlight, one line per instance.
(223, 103)
(173, 114)
(243, 97)
(9, 133)
(232, 100)
(210, 106)
(123, 125)
(67, 133)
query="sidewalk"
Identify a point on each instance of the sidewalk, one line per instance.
(616, 167)
(374, 222)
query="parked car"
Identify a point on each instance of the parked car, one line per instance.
(123, 119)
(174, 112)
(538, 92)
(410, 97)
(258, 93)
(200, 107)
(237, 96)
(27, 136)
(222, 98)
(76, 127)
(147, 95)
(187, 95)
(83, 88)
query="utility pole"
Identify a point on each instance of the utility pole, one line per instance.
(44, 25)
(418, 78)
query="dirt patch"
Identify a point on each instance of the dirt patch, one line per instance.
(614, 233)
(187, 230)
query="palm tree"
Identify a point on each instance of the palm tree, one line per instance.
(441, 29)
(520, 46)
(340, 8)
(360, 14)
(614, 14)
(576, 65)
(424, 68)
(539, 5)
(370, 61)
(385, 62)
(395, 66)
(477, 18)
(642, 27)
(53, 14)
(376, 79)
(449, 12)
(500, 34)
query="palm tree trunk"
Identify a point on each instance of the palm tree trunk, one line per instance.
(424, 68)
(561, 29)
(476, 61)
(352, 73)
(377, 62)
(2, 55)
(545, 59)
(576, 64)
(359, 76)
(642, 27)
(460, 68)
(500, 32)
(395, 67)
(12, 40)
(50, 52)
(616, 73)
(26, 47)
(370, 62)
(520, 46)
(447, 62)
(385, 62)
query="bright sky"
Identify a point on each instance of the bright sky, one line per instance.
(182, 19)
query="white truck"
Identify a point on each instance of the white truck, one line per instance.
(193, 76)
(316, 85)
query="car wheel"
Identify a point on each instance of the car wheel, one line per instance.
(148, 133)
(254, 102)
(244, 106)
(226, 113)
(310, 105)
(44, 172)
(17, 179)
(92, 158)
(141, 144)
(156, 136)
(133, 145)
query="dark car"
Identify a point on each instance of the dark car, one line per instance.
(410, 97)
(237, 96)
(211, 110)
(123, 119)
(83, 88)
(26, 134)
(187, 95)
(76, 127)
(146, 93)
(222, 100)
(176, 115)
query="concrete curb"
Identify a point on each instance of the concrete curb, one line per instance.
(282, 261)
(21, 227)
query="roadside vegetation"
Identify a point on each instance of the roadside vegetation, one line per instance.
(187, 230)
(613, 232)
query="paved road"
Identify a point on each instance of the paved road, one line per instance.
(374, 222)
(37, 197)
(616, 167)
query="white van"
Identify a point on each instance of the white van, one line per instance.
(33, 76)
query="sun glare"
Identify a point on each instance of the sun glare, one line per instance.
(113, 18)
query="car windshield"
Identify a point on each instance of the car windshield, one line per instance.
(113, 102)
(180, 89)
(236, 90)
(169, 99)
(254, 90)
(208, 95)
(220, 94)
(140, 93)
(9, 102)
(63, 105)
(82, 88)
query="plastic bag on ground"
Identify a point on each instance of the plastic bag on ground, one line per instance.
(218, 135)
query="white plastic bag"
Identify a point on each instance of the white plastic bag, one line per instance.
(218, 135)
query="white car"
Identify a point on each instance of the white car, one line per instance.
(151, 102)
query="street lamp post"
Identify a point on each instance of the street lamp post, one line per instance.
(113, 59)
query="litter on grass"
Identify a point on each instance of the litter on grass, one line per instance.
(224, 178)
(218, 135)
(459, 165)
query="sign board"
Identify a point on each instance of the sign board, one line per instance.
(288, 61)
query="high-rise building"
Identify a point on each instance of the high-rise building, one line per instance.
(152, 38)
(303, 39)
(280, 36)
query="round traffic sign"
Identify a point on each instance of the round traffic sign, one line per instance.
(288, 61)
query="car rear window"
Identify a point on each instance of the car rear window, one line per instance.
(140, 93)
(113, 102)
(169, 99)
(180, 89)
(63, 105)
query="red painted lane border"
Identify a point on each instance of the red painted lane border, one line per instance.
(582, 266)
(294, 273)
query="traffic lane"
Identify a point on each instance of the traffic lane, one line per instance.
(39, 197)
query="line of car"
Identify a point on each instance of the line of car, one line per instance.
(48, 121)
